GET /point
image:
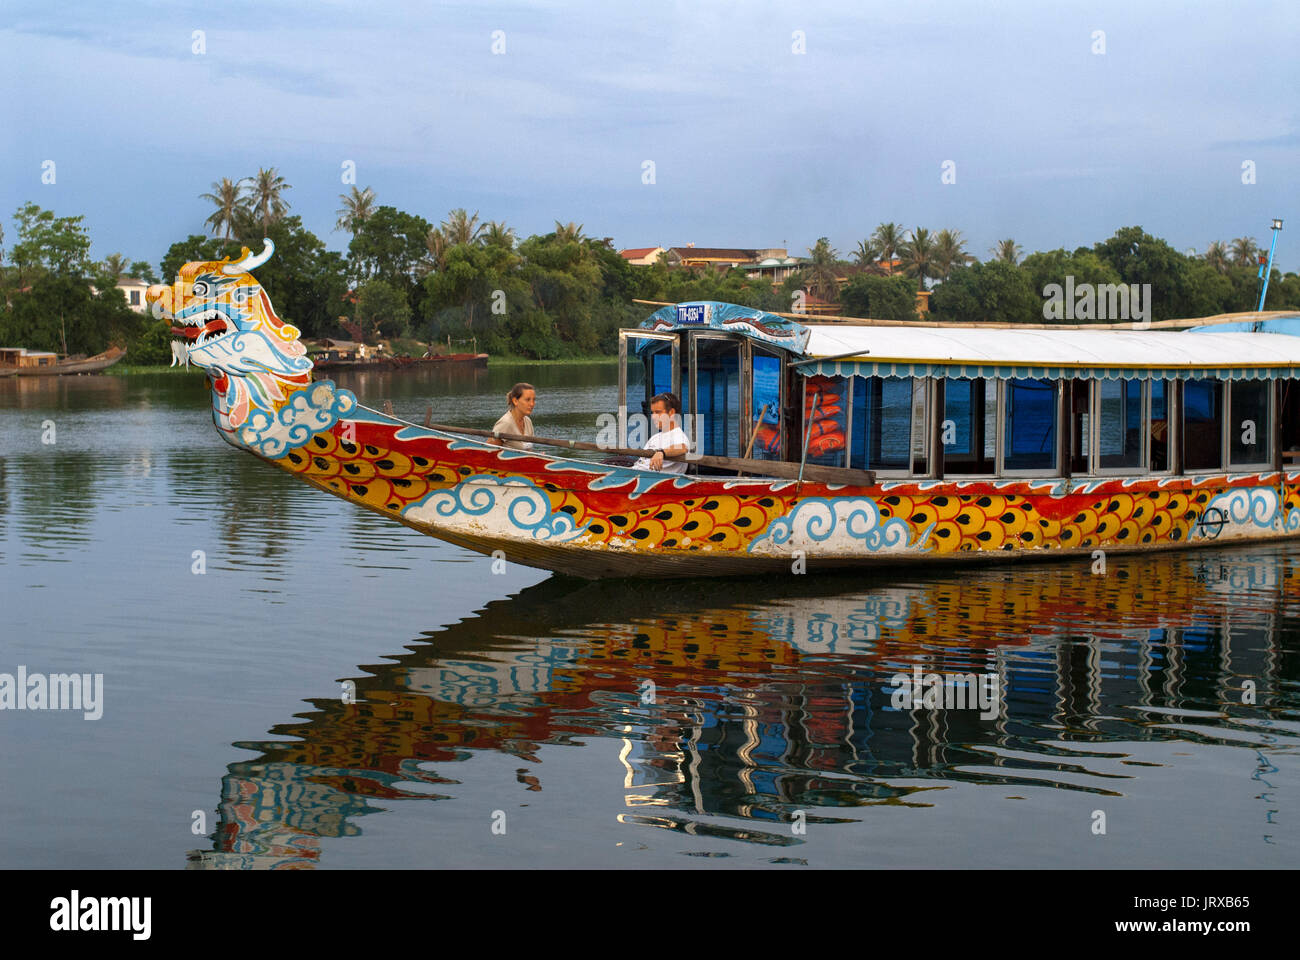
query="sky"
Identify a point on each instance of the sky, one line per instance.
(768, 124)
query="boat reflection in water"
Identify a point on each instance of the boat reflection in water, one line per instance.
(751, 700)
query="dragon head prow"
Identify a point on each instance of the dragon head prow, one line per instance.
(224, 322)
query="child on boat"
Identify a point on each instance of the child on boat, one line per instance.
(669, 439)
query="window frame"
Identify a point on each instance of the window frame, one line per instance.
(623, 336)
(1058, 390)
(1265, 437)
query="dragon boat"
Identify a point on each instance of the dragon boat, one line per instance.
(816, 444)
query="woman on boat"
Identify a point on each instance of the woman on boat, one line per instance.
(521, 398)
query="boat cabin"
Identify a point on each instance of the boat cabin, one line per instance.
(929, 402)
(23, 358)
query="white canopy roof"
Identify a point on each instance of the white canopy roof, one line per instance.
(1111, 354)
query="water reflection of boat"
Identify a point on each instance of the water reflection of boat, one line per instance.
(735, 707)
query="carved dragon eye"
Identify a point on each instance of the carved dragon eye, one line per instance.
(200, 288)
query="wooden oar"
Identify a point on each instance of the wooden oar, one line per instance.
(763, 468)
(753, 435)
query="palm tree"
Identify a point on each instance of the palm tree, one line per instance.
(1006, 251)
(569, 232)
(949, 253)
(267, 196)
(114, 267)
(436, 243)
(1244, 251)
(819, 273)
(356, 210)
(888, 239)
(918, 256)
(460, 227)
(866, 253)
(497, 234)
(230, 200)
(1216, 255)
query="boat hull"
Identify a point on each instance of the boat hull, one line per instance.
(93, 364)
(595, 520)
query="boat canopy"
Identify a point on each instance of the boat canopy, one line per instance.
(711, 314)
(1227, 352)
(835, 350)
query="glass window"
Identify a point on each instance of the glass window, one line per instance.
(969, 428)
(1202, 425)
(765, 412)
(1029, 434)
(1159, 433)
(920, 433)
(1080, 396)
(1119, 424)
(1250, 434)
(883, 423)
(826, 412)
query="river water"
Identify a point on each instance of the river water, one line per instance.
(290, 681)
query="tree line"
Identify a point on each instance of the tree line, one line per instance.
(562, 293)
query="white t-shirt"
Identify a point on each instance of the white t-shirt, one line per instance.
(676, 437)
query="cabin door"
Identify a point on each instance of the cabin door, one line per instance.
(713, 405)
(648, 363)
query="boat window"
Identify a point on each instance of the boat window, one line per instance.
(1202, 425)
(1159, 428)
(1080, 425)
(1250, 436)
(970, 424)
(765, 406)
(1289, 419)
(826, 412)
(883, 423)
(717, 396)
(1119, 424)
(1030, 428)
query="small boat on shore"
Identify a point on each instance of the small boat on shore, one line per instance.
(11, 365)
(816, 445)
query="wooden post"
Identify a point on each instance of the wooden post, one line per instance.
(1174, 430)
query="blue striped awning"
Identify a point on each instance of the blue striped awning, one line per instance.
(866, 368)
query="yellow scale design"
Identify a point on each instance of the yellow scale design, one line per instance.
(390, 481)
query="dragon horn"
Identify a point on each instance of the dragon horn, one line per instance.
(250, 261)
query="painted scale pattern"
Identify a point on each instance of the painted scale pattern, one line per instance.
(372, 472)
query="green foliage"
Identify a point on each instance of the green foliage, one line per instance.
(153, 345)
(389, 245)
(987, 291)
(1054, 266)
(59, 245)
(880, 298)
(60, 310)
(382, 309)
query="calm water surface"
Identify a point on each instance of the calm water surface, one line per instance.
(517, 719)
